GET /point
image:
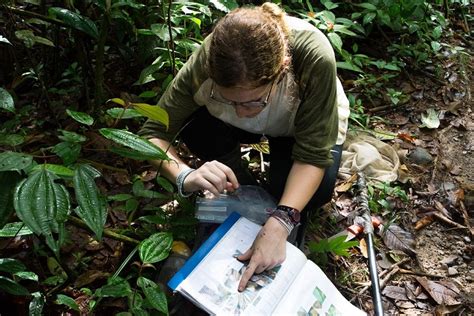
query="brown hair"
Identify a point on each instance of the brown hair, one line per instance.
(249, 46)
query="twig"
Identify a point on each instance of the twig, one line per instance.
(171, 43)
(404, 271)
(107, 232)
(448, 221)
(385, 107)
(394, 266)
(103, 166)
(466, 217)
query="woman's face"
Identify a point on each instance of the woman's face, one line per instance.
(247, 101)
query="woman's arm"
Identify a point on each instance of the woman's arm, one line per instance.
(269, 248)
(213, 176)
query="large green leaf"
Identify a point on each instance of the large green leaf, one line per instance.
(134, 142)
(130, 153)
(36, 304)
(72, 137)
(123, 113)
(10, 161)
(42, 205)
(6, 101)
(8, 180)
(15, 229)
(92, 206)
(12, 287)
(81, 117)
(155, 113)
(115, 287)
(62, 299)
(59, 170)
(154, 294)
(155, 248)
(11, 265)
(77, 21)
(69, 152)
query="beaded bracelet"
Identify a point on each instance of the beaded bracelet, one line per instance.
(180, 182)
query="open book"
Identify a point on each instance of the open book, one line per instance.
(296, 287)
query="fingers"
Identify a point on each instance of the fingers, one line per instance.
(249, 271)
(212, 176)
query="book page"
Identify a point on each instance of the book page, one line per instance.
(214, 281)
(312, 293)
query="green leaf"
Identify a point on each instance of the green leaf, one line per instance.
(123, 113)
(29, 38)
(72, 137)
(368, 6)
(139, 190)
(59, 170)
(224, 5)
(67, 151)
(75, 20)
(430, 119)
(134, 142)
(42, 205)
(155, 113)
(165, 184)
(27, 275)
(81, 117)
(329, 4)
(11, 265)
(119, 197)
(130, 153)
(62, 299)
(36, 304)
(131, 205)
(147, 94)
(335, 40)
(349, 66)
(10, 161)
(92, 207)
(11, 139)
(436, 46)
(115, 287)
(437, 31)
(8, 180)
(12, 287)
(154, 294)
(155, 248)
(15, 229)
(153, 219)
(369, 17)
(6, 101)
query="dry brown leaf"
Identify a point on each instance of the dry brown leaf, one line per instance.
(423, 222)
(439, 292)
(395, 292)
(395, 237)
(346, 185)
(90, 276)
(442, 209)
(442, 309)
(363, 248)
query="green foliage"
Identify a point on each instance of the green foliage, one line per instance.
(339, 246)
(92, 206)
(6, 101)
(153, 294)
(43, 206)
(62, 299)
(75, 20)
(382, 196)
(155, 248)
(16, 270)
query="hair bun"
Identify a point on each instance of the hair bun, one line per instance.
(273, 9)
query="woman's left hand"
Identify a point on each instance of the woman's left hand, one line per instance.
(267, 251)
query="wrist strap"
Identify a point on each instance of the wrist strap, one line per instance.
(180, 182)
(283, 216)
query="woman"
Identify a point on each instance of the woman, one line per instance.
(259, 75)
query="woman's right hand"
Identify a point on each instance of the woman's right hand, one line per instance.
(213, 176)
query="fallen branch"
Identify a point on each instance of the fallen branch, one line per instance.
(466, 217)
(107, 232)
(30, 14)
(404, 271)
(384, 281)
(448, 221)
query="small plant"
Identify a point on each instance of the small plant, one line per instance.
(338, 246)
(383, 197)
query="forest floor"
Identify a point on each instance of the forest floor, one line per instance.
(437, 221)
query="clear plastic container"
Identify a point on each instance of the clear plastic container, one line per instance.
(250, 201)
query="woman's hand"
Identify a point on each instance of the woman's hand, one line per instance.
(268, 250)
(213, 176)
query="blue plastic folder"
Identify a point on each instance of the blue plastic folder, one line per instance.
(194, 260)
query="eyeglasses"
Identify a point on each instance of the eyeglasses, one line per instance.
(250, 105)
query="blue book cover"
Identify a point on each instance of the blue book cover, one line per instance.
(194, 260)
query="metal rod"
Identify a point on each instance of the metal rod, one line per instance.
(374, 276)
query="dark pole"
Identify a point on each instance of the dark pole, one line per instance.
(365, 219)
